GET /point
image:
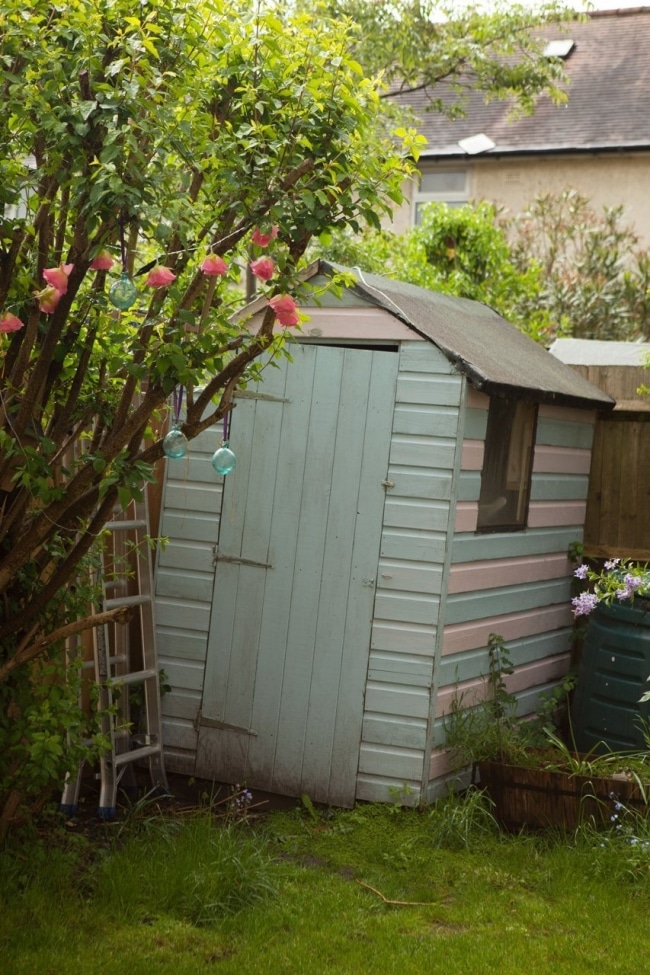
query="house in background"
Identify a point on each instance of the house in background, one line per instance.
(598, 143)
(409, 484)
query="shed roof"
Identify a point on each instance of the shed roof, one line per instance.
(495, 356)
(607, 110)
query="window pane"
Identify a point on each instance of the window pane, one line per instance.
(507, 465)
(443, 182)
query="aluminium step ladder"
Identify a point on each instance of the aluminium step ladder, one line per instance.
(125, 670)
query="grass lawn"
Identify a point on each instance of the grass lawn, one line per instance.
(374, 890)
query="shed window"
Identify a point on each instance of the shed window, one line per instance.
(507, 465)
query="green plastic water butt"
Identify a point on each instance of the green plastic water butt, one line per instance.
(613, 674)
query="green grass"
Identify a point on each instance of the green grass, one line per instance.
(375, 890)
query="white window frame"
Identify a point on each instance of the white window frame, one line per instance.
(452, 197)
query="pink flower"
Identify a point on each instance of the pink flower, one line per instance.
(48, 299)
(214, 266)
(263, 240)
(103, 262)
(57, 277)
(263, 268)
(286, 310)
(10, 323)
(160, 277)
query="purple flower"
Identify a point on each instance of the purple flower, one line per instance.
(584, 604)
(611, 563)
(581, 572)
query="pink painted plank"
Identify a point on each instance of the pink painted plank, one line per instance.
(511, 626)
(530, 675)
(491, 573)
(466, 516)
(476, 400)
(472, 455)
(561, 460)
(439, 764)
(545, 514)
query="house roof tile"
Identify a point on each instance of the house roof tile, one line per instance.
(609, 98)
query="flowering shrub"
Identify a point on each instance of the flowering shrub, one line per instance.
(619, 581)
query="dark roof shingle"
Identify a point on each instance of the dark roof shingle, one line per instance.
(609, 97)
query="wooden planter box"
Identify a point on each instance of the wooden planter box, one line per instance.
(539, 798)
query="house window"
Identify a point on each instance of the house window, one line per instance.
(507, 465)
(441, 186)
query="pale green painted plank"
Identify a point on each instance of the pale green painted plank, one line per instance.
(190, 526)
(534, 541)
(390, 761)
(423, 357)
(365, 424)
(184, 585)
(469, 485)
(404, 731)
(403, 638)
(175, 643)
(407, 608)
(422, 483)
(431, 421)
(463, 607)
(473, 663)
(412, 545)
(475, 424)
(561, 433)
(183, 614)
(423, 452)
(409, 576)
(272, 661)
(186, 554)
(559, 487)
(416, 513)
(186, 496)
(439, 390)
(391, 699)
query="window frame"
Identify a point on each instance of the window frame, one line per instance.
(507, 468)
(450, 197)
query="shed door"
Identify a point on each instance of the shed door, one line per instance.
(294, 586)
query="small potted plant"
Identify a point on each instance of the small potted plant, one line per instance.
(534, 779)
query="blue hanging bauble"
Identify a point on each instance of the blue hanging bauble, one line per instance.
(223, 459)
(123, 293)
(175, 445)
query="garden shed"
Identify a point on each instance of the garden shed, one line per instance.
(409, 484)
(617, 522)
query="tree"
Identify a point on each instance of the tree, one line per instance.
(462, 251)
(144, 151)
(446, 51)
(595, 276)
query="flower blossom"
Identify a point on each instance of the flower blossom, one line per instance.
(160, 277)
(581, 572)
(103, 262)
(48, 298)
(286, 310)
(57, 277)
(10, 323)
(263, 240)
(584, 604)
(214, 266)
(263, 268)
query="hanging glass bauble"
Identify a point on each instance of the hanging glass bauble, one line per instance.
(123, 293)
(223, 459)
(175, 444)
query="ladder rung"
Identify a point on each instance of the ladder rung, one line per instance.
(124, 526)
(136, 677)
(126, 601)
(136, 754)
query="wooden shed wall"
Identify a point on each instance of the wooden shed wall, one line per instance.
(418, 517)
(514, 584)
(184, 583)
